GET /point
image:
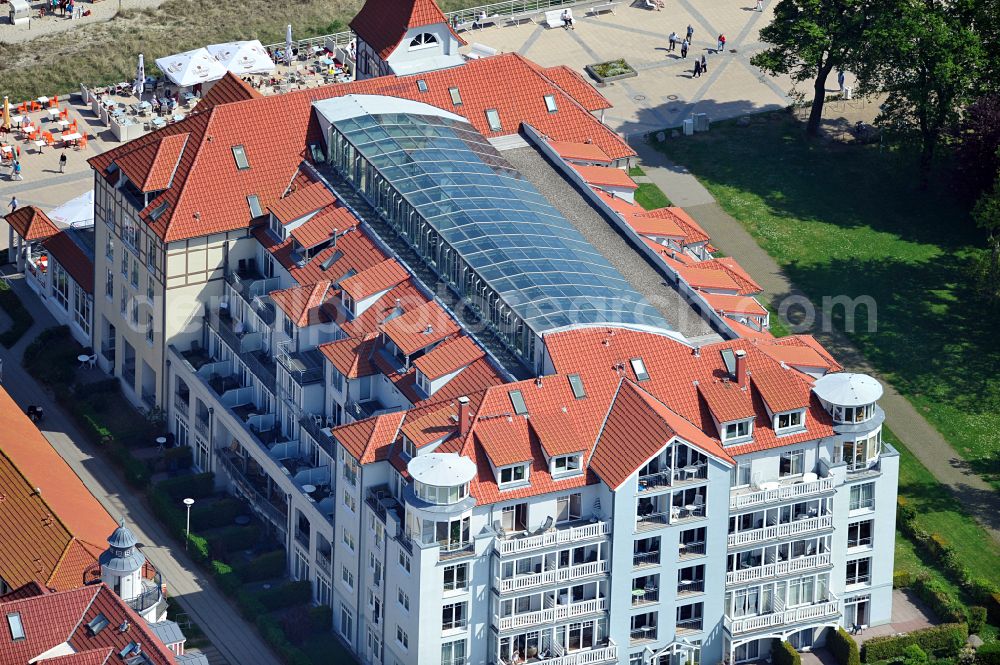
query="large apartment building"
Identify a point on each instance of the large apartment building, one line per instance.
(496, 412)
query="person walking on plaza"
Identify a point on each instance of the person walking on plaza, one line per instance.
(684, 49)
(690, 33)
(722, 44)
(760, 5)
(673, 40)
(704, 64)
(13, 203)
(62, 162)
(17, 171)
(840, 79)
(697, 68)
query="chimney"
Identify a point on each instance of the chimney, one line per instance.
(696, 352)
(463, 416)
(334, 234)
(741, 368)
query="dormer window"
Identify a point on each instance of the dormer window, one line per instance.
(639, 369)
(565, 465)
(423, 382)
(513, 475)
(423, 40)
(409, 450)
(741, 429)
(550, 103)
(254, 204)
(785, 422)
(348, 302)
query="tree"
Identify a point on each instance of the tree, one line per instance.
(811, 38)
(927, 63)
(986, 213)
(977, 140)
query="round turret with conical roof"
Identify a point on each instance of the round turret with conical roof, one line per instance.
(122, 562)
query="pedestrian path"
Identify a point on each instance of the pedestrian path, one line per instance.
(236, 640)
(920, 437)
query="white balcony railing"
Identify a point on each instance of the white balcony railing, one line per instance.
(824, 610)
(780, 530)
(521, 582)
(551, 614)
(608, 654)
(571, 535)
(789, 567)
(782, 492)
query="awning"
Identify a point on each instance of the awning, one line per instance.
(191, 67)
(75, 212)
(248, 57)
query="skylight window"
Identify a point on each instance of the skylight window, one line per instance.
(517, 401)
(97, 624)
(576, 383)
(240, 155)
(550, 103)
(16, 627)
(350, 273)
(421, 85)
(158, 211)
(639, 368)
(254, 204)
(729, 358)
(330, 260)
(493, 118)
(456, 96)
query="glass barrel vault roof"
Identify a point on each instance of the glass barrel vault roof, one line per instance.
(503, 227)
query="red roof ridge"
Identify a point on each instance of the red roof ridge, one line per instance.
(31, 223)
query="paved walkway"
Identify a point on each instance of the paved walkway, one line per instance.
(920, 437)
(236, 640)
(909, 613)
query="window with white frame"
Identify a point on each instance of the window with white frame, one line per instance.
(862, 497)
(403, 598)
(859, 571)
(789, 421)
(404, 561)
(423, 40)
(423, 382)
(792, 463)
(349, 467)
(346, 622)
(740, 475)
(569, 507)
(409, 450)
(347, 577)
(402, 638)
(858, 455)
(109, 248)
(109, 284)
(456, 578)
(740, 429)
(859, 534)
(514, 475)
(149, 329)
(550, 103)
(454, 615)
(135, 273)
(348, 538)
(349, 501)
(82, 308)
(493, 119)
(567, 464)
(453, 653)
(60, 285)
(124, 263)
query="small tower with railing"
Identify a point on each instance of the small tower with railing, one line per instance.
(122, 567)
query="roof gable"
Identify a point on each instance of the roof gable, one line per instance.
(382, 23)
(31, 223)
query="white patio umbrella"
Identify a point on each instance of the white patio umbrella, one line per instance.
(191, 67)
(288, 43)
(75, 212)
(248, 57)
(139, 86)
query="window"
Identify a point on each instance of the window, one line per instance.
(60, 285)
(859, 454)
(346, 622)
(109, 285)
(124, 305)
(149, 288)
(568, 507)
(550, 103)
(566, 464)
(493, 118)
(455, 615)
(135, 313)
(689, 615)
(863, 497)
(347, 577)
(792, 463)
(421, 85)
(98, 623)
(576, 383)
(240, 155)
(791, 420)
(740, 474)
(402, 638)
(404, 561)
(349, 467)
(859, 571)
(514, 474)
(639, 369)
(254, 204)
(109, 248)
(124, 264)
(456, 578)
(456, 96)
(859, 534)
(409, 450)
(349, 501)
(149, 329)
(15, 625)
(135, 274)
(348, 538)
(453, 653)
(517, 401)
(403, 598)
(737, 430)
(423, 40)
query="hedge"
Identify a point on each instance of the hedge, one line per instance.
(178, 457)
(988, 654)
(946, 606)
(843, 647)
(197, 486)
(993, 608)
(943, 641)
(213, 514)
(286, 595)
(20, 318)
(783, 653)
(977, 619)
(264, 567)
(234, 538)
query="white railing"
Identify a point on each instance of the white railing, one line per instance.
(608, 654)
(828, 609)
(552, 614)
(780, 530)
(521, 582)
(781, 493)
(575, 534)
(777, 569)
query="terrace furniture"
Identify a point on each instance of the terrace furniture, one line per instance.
(517, 19)
(480, 51)
(553, 18)
(602, 7)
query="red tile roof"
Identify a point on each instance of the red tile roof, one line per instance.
(748, 285)
(606, 176)
(368, 440)
(734, 304)
(304, 304)
(299, 203)
(353, 356)
(576, 86)
(448, 357)
(691, 231)
(781, 389)
(726, 400)
(230, 88)
(812, 343)
(583, 152)
(92, 657)
(71, 256)
(31, 223)
(383, 23)
(375, 279)
(151, 168)
(420, 327)
(320, 227)
(556, 433)
(747, 332)
(701, 277)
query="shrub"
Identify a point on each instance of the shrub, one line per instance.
(178, 457)
(196, 486)
(103, 387)
(901, 579)
(51, 358)
(844, 648)
(914, 655)
(296, 624)
(270, 630)
(286, 595)
(988, 654)
(946, 606)
(321, 618)
(213, 514)
(232, 538)
(263, 567)
(941, 641)
(784, 653)
(977, 619)
(228, 581)
(21, 319)
(249, 605)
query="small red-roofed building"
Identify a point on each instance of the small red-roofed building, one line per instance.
(614, 181)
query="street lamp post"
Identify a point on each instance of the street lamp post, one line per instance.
(187, 532)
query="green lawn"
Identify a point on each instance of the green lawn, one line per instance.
(650, 197)
(635, 171)
(20, 318)
(847, 220)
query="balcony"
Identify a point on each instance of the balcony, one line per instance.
(667, 478)
(380, 500)
(642, 559)
(559, 575)
(324, 561)
(777, 531)
(690, 588)
(365, 409)
(792, 566)
(775, 492)
(249, 346)
(819, 612)
(550, 615)
(321, 435)
(455, 550)
(641, 635)
(607, 653)
(151, 596)
(305, 367)
(182, 404)
(254, 288)
(254, 489)
(645, 596)
(558, 536)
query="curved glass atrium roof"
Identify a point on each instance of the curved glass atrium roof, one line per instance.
(503, 227)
